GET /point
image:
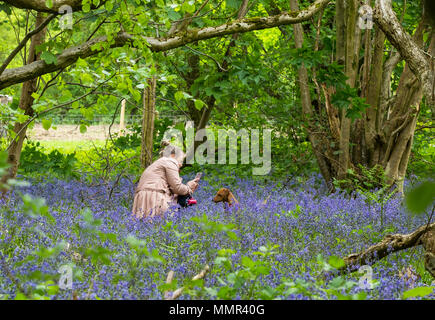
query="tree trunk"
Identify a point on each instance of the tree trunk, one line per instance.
(149, 111)
(383, 137)
(315, 138)
(201, 117)
(351, 70)
(26, 102)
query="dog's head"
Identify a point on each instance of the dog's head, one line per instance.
(224, 195)
(221, 195)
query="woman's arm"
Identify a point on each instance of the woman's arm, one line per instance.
(174, 181)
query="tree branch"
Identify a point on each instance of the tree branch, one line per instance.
(70, 55)
(41, 5)
(24, 41)
(402, 41)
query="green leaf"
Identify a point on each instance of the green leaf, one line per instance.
(87, 78)
(178, 96)
(233, 4)
(362, 295)
(49, 3)
(336, 262)
(48, 57)
(46, 124)
(418, 292)
(247, 262)
(232, 235)
(187, 7)
(4, 7)
(421, 197)
(20, 296)
(264, 270)
(109, 6)
(199, 104)
(35, 96)
(337, 283)
(86, 7)
(83, 128)
(173, 15)
(81, 63)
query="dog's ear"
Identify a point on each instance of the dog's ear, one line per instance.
(231, 198)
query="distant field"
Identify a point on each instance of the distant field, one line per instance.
(71, 132)
(68, 138)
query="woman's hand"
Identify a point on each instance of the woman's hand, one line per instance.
(193, 184)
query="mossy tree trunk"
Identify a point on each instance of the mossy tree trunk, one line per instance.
(148, 117)
(25, 103)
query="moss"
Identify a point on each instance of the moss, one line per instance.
(189, 35)
(293, 14)
(253, 19)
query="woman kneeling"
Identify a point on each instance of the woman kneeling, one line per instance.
(160, 184)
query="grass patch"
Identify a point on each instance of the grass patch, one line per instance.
(70, 146)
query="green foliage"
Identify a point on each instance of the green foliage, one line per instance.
(418, 292)
(347, 98)
(421, 197)
(48, 57)
(363, 179)
(422, 158)
(6, 8)
(258, 89)
(371, 184)
(3, 164)
(211, 227)
(34, 159)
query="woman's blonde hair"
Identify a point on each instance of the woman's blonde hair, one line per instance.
(171, 149)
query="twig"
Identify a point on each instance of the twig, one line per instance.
(177, 293)
(205, 54)
(48, 84)
(169, 279)
(24, 41)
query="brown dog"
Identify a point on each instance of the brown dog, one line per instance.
(225, 195)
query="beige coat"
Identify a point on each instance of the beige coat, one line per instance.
(157, 187)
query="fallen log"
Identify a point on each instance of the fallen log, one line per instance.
(428, 242)
(424, 235)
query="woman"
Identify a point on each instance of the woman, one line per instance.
(160, 183)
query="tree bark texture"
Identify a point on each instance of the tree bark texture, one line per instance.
(148, 117)
(26, 102)
(424, 235)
